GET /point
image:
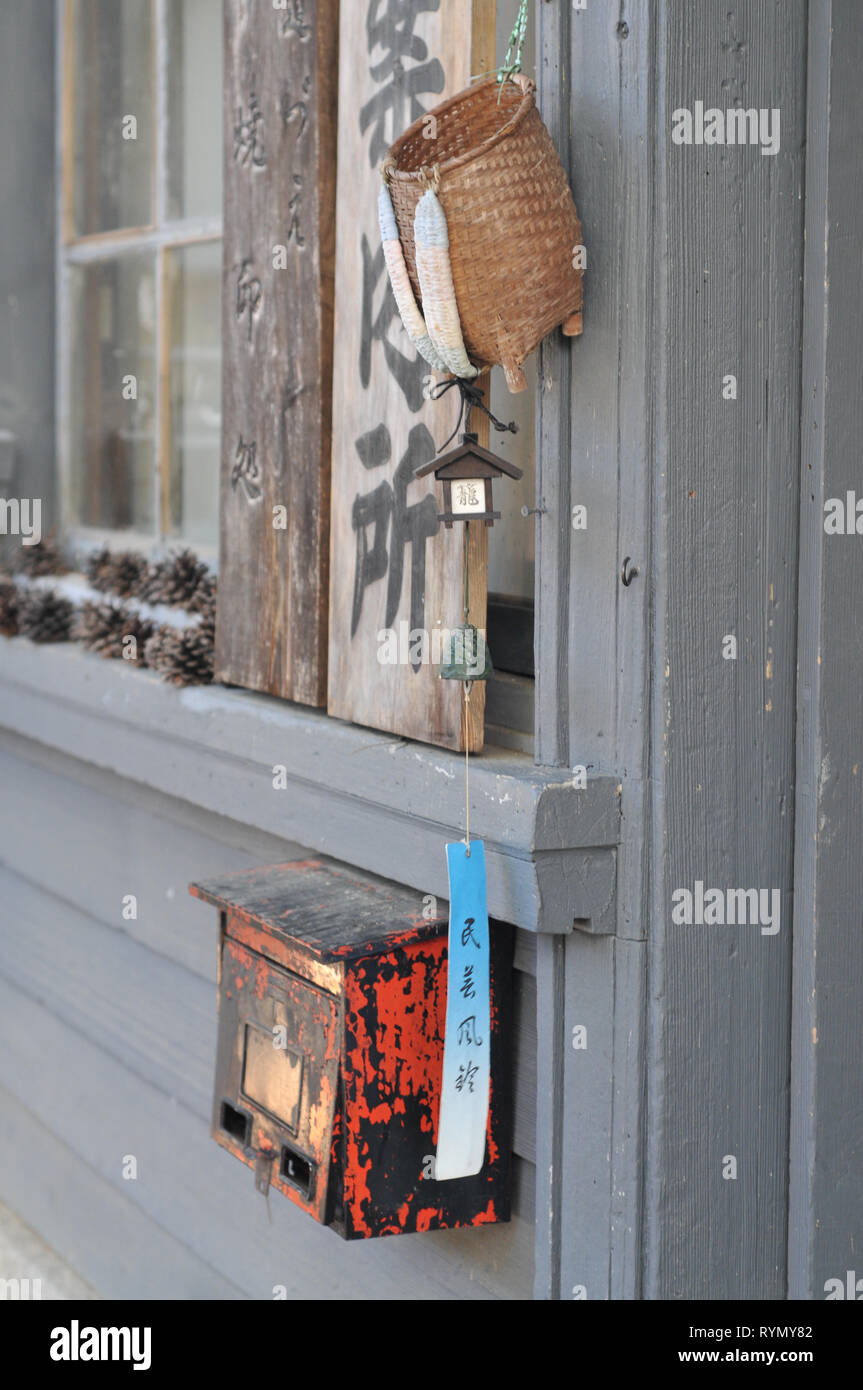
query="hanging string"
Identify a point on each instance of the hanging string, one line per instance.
(512, 62)
(467, 686)
(466, 586)
(470, 399)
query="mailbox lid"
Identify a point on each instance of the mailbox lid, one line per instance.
(315, 909)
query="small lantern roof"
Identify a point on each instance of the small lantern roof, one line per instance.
(483, 463)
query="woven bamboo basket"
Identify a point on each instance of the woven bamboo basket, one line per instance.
(511, 218)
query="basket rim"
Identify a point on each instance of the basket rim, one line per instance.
(527, 103)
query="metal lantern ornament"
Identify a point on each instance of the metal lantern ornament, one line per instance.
(466, 473)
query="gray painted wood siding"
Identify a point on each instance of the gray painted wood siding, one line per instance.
(695, 263)
(703, 1042)
(826, 1177)
(109, 1033)
(731, 227)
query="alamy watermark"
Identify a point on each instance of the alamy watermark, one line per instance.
(21, 516)
(736, 126)
(417, 646)
(719, 907)
(848, 1288)
(20, 1290)
(77, 1343)
(843, 516)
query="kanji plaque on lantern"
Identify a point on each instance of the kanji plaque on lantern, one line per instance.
(467, 473)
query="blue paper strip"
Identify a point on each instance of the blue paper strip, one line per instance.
(467, 1044)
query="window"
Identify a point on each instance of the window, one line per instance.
(139, 272)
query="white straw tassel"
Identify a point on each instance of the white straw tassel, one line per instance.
(434, 271)
(400, 280)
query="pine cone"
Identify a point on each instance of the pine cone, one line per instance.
(203, 600)
(98, 569)
(126, 572)
(106, 628)
(184, 657)
(38, 560)
(45, 616)
(161, 650)
(174, 580)
(8, 608)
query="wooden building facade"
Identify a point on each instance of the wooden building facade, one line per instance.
(687, 1120)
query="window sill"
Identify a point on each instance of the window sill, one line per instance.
(373, 800)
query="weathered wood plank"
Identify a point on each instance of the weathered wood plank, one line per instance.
(552, 430)
(613, 149)
(392, 562)
(277, 328)
(723, 729)
(550, 1061)
(586, 1102)
(355, 794)
(189, 1186)
(90, 861)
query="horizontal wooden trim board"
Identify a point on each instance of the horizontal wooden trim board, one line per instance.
(382, 804)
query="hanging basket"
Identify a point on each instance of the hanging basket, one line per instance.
(511, 220)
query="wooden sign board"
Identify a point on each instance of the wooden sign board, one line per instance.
(395, 571)
(281, 68)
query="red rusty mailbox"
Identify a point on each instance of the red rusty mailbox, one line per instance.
(332, 1004)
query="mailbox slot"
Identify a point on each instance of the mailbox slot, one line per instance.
(235, 1123)
(297, 1170)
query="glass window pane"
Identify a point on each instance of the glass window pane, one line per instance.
(194, 142)
(193, 294)
(112, 94)
(113, 370)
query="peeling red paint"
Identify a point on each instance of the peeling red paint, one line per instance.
(428, 1218)
(365, 1016)
(395, 1007)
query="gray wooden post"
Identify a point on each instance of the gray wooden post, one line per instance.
(826, 1192)
(694, 263)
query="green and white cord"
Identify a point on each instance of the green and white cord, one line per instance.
(512, 62)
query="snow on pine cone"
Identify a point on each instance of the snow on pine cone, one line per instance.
(114, 631)
(174, 580)
(184, 657)
(45, 616)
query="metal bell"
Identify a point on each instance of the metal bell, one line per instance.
(466, 656)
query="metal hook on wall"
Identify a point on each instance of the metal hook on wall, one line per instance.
(628, 572)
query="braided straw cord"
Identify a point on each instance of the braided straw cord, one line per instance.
(404, 295)
(438, 295)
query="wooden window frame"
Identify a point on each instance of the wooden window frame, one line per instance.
(161, 236)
